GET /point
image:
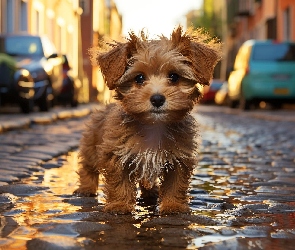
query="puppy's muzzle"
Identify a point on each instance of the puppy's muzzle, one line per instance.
(157, 100)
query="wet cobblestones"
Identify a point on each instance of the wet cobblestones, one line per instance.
(25, 150)
(242, 193)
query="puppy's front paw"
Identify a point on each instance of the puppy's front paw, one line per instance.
(118, 208)
(174, 208)
(85, 192)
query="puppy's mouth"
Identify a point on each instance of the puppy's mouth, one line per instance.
(157, 111)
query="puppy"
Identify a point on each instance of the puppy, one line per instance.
(148, 135)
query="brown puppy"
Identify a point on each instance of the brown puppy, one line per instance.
(148, 134)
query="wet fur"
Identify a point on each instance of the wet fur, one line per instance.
(133, 141)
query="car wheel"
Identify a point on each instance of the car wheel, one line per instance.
(233, 103)
(244, 104)
(226, 101)
(74, 103)
(73, 99)
(276, 106)
(45, 101)
(27, 106)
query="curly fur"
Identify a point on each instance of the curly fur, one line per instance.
(135, 140)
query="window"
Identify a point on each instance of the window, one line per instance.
(242, 58)
(23, 16)
(274, 52)
(9, 17)
(84, 5)
(287, 24)
(37, 18)
(25, 46)
(48, 46)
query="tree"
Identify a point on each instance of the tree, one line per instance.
(210, 18)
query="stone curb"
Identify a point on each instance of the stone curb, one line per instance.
(279, 115)
(274, 117)
(21, 121)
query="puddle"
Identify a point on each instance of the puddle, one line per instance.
(226, 212)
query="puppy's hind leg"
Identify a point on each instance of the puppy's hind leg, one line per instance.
(88, 182)
(88, 172)
(149, 196)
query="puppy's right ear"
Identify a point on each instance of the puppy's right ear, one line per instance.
(113, 63)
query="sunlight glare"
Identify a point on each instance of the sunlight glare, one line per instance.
(156, 17)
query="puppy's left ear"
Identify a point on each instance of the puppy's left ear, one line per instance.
(113, 62)
(202, 51)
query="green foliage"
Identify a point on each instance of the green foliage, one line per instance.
(8, 60)
(210, 19)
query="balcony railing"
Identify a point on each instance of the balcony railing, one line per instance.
(246, 8)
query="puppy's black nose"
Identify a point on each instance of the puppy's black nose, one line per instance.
(157, 100)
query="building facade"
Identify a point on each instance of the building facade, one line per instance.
(286, 20)
(100, 20)
(241, 20)
(73, 26)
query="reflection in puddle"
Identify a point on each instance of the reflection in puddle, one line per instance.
(44, 206)
(54, 219)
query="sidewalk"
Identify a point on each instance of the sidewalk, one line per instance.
(278, 115)
(13, 121)
(264, 114)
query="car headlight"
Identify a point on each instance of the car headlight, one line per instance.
(39, 75)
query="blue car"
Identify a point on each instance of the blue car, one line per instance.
(263, 71)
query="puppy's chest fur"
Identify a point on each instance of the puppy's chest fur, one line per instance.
(154, 137)
(147, 149)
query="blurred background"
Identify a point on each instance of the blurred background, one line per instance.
(74, 26)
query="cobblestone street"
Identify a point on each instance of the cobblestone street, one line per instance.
(242, 193)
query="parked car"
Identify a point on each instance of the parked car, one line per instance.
(38, 55)
(16, 85)
(221, 96)
(71, 85)
(209, 91)
(263, 71)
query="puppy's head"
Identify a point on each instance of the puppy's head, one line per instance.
(157, 80)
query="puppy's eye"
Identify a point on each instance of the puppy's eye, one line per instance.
(139, 79)
(173, 77)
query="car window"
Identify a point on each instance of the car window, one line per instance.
(24, 46)
(215, 85)
(274, 52)
(242, 58)
(48, 46)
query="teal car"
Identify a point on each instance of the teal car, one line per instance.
(263, 71)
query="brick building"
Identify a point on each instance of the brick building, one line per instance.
(100, 19)
(241, 20)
